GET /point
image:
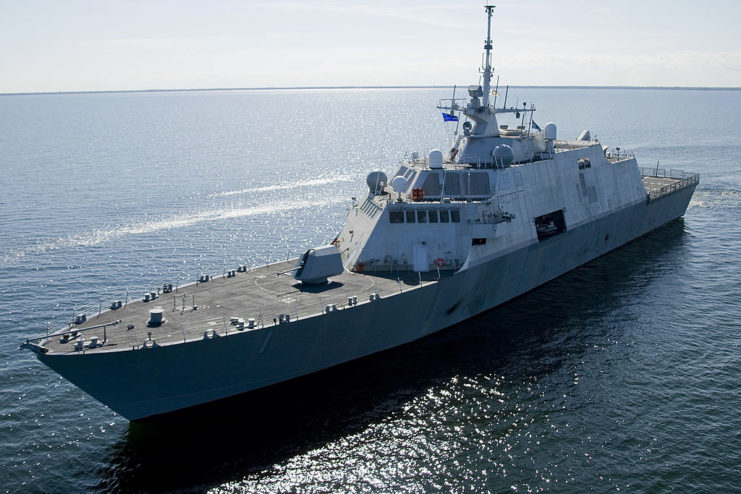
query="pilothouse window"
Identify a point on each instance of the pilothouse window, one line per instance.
(431, 185)
(424, 216)
(476, 184)
(452, 184)
(403, 171)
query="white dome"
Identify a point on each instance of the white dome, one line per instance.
(549, 131)
(503, 155)
(376, 181)
(436, 158)
(399, 184)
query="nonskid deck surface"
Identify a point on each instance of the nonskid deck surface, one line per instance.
(264, 294)
(654, 184)
(658, 184)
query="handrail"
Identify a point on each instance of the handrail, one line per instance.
(76, 331)
(662, 173)
(684, 180)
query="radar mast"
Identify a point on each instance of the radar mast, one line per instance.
(487, 57)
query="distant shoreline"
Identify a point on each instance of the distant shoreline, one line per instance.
(310, 88)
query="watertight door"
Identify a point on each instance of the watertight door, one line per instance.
(420, 258)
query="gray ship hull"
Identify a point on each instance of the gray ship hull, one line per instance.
(142, 383)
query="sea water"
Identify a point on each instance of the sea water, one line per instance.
(621, 375)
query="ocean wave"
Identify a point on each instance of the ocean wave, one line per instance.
(716, 197)
(105, 235)
(288, 186)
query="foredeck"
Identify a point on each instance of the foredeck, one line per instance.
(660, 182)
(266, 294)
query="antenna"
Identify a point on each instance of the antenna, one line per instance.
(496, 93)
(524, 110)
(453, 105)
(487, 48)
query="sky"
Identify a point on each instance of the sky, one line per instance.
(100, 45)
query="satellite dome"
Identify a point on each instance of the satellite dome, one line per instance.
(376, 181)
(399, 184)
(503, 155)
(550, 131)
(436, 159)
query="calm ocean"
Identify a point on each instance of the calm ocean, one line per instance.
(621, 375)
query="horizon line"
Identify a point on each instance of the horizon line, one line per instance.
(293, 88)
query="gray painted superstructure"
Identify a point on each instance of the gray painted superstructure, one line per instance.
(452, 235)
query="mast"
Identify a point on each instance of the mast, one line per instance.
(487, 58)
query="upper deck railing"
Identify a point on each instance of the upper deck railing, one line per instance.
(681, 180)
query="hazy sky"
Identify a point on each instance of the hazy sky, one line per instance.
(70, 45)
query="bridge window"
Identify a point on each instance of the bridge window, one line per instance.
(452, 184)
(421, 216)
(396, 216)
(432, 214)
(455, 216)
(444, 216)
(478, 183)
(431, 185)
(410, 216)
(402, 172)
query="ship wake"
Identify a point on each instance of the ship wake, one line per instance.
(289, 186)
(103, 236)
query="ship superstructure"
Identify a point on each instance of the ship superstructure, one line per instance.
(506, 208)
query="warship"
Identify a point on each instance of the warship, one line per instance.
(504, 209)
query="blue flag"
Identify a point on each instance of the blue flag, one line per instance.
(536, 126)
(447, 117)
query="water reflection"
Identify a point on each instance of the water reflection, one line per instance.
(528, 338)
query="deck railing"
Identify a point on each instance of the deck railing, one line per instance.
(682, 181)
